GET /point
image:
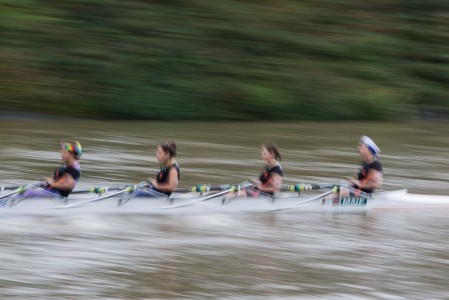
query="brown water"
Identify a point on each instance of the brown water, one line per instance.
(388, 255)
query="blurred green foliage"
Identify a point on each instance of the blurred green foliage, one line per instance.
(233, 60)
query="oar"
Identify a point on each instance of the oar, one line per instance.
(21, 189)
(4, 188)
(230, 190)
(299, 203)
(125, 190)
(15, 187)
(98, 190)
(200, 188)
(238, 189)
(150, 193)
(301, 187)
(203, 188)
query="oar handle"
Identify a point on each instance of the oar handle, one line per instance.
(127, 189)
(301, 187)
(31, 185)
(97, 190)
(199, 188)
(104, 189)
(21, 189)
(204, 188)
(5, 188)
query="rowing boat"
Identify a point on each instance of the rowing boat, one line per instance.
(222, 202)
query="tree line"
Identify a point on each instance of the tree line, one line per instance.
(226, 60)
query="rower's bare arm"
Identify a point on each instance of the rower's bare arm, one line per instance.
(65, 183)
(171, 184)
(172, 180)
(373, 180)
(274, 185)
(277, 182)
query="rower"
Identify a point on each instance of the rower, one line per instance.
(168, 177)
(270, 180)
(65, 177)
(370, 176)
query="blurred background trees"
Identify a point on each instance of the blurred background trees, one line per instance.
(228, 60)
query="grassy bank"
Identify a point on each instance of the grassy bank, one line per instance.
(236, 60)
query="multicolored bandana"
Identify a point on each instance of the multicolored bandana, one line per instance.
(73, 147)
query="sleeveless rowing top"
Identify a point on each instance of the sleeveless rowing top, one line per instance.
(266, 173)
(363, 173)
(265, 176)
(162, 176)
(74, 171)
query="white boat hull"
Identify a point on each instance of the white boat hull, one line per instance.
(395, 200)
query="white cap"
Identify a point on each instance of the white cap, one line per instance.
(370, 145)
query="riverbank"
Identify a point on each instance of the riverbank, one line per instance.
(197, 60)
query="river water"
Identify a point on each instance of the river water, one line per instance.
(375, 255)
